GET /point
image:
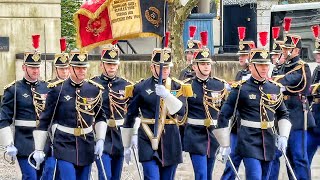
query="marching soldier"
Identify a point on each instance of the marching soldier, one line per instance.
(72, 107)
(22, 103)
(295, 76)
(277, 60)
(193, 45)
(160, 152)
(203, 108)
(61, 64)
(242, 75)
(115, 107)
(258, 101)
(314, 133)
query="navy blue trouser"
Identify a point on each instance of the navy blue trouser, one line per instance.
(275, 166)
(112, 167)
(69, 171)
(313, 144)
(153, 171)
(202, 166)
(228, 173)
(28, 172)
(297, 154)
(257, 169)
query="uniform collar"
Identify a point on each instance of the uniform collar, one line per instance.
(253, 80)
(203, 80)
(75, 84)
(30, 83)
(108, 78)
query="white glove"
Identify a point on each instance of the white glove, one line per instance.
(12, 151)
(98, 149)
(224, 152)
(134, 141)
(127, 155)
(162, 91)
(282, 143)
(38, 156)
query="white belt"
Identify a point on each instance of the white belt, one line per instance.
(259, 125)
(26, 123)
(75, 131)
(202, 122)
(115, 123)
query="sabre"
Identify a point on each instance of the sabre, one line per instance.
(37, 166)
(103, 170)
(288, 165)
(5, 156)
(234, 168)
(137, 163)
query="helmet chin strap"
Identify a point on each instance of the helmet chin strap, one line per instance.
(75, 72)
(200, 69)
(105, 71)
(257, 70)
(154, 66)
(58, 73)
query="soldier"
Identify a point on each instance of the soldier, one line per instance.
(72, 107)
(61, 64)
(115, 107)
(203, 108)
(314, 133)
(242, 75)
(258, 101)
(192, 45)
(295, 76)
(277, 58)
(22, 103)
(159, 153)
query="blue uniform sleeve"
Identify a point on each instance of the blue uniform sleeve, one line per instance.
(51, 102)
(7, 107)
(133, 109)
(227, 109)
(291, 79)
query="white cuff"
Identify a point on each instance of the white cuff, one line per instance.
(126, 134)
(6, 137)
(40, 139)
(101, 130)
(223, 136)
(284, 127)
(136, 125)
(172, 103)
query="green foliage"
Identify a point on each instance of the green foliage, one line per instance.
(68, 8)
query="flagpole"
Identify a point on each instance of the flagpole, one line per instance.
(156, 123)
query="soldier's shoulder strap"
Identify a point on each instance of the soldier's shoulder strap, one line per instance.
(94, 77)
(314, 88)
(129, 88)
(237, 83)
(221, 80)
(301, 62)
(55, 84)
(276, 83)
(95, 84)
(177, 80)
(127, 80)
(9, 85)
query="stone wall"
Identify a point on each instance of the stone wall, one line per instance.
(19, 19)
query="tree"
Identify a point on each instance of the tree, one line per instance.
(68, 8)
(178, 15)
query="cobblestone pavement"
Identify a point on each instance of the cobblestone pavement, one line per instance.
(184, 171)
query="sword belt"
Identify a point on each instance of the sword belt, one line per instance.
(75, 131)
(26, 123)
(258, 125)
(202, 122)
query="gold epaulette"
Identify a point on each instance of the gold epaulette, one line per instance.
(127, 80)
(276, 83)
(301, 62)
(128, 91)
(314, 88)
(222, 80)
(177, 80)
(54, 84)
(9, 85)
(277, 78)
(238, 83)
(95, 84)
